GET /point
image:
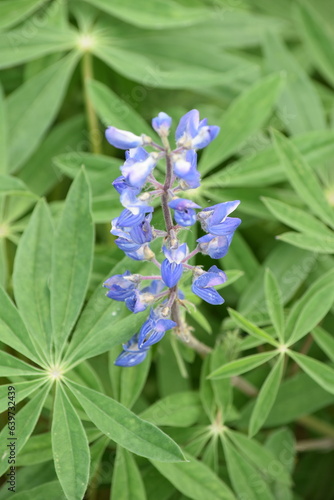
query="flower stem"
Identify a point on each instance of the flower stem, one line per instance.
(92, 120)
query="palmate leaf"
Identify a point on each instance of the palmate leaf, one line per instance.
(181, 409)
(321, 373)
(31, 276)
(71, 260)
(10, 366)
(303, 179)
(127, 483)
(44, 92)
(195, 480)
(70, 447)
(125, 428)
(22, 389)
(25, 422)
(251, 110)
(310, 308)
(13, 185)
(266, 397)
(299, 104)
(251, 328)
(242, 365)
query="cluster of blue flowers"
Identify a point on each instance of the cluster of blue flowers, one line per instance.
(137, 187)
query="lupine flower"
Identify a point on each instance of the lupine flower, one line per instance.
(161, 124)
(122, 139)
(192, 133)
(214, 219)
(138, 166)
(134, 232)
(131, 354)
(154, 328)
(184, 213)
(119, 287)
(171, 267)
(202, 285)
(185, 168)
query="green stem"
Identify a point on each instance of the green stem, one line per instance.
(92, 120)
(317, 425)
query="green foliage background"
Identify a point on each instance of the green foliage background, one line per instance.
(254, 419)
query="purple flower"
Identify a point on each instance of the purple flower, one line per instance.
(122, 139)
(138, 166)
(120, 287)
(202, 285)
(185, 168)
(139, 300)
(184, 213)
(214, 219)
(128, 218)
(215, 246)
(131, 354)
(171, 267)
(191, 133)
(133, 240)
(154, 329)
(162, 124)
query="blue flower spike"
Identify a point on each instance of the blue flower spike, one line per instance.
(137, 187)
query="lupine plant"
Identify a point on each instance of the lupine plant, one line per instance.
(138, 186)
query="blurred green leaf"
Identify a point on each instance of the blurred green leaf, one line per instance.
(195, 480)
(127, 483)
(3, 133)
(71, 260)
(45, 93)
(125, 428)
(303, 179)
(274, 303)
(11, 366)
(323, 244)
(251, 110)
(318, 37)
(12, 11)
(321, 373)
(300, 105)
(13, 185)
(31, 276)
(325, 341)
(266, 397)
(70, 447)
(242, 365)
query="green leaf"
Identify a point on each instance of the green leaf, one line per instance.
(325, 341)
(113, 111)
(10, 366)
(22, 390)
(132, 381)
(300, 105)
(13, 185)
(321, 373)
(153, 14)
(260, 457)
(70, 447)
(303, 179)
(222, 389)
(266, 397)
(263, 168)
(71, 260)
(3, 133)
(318, 37)
(250, 328)
(45, 93)
(125, 428)
(311, 308)
(37, 450)
(274, 303)
(251, 109)
(12, 11)
(51, 489)
(127, 483)
(13, 331)
(181, 409)
(297, 219)
(25, 422)
(246, 480)
(323, 244)
(242, 365)
(31, 276)
(195, 480)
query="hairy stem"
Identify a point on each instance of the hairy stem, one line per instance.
(92, 121)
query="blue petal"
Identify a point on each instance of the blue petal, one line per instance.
(171, 273)
(122, 139)
(130, 358)
(210, 295)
